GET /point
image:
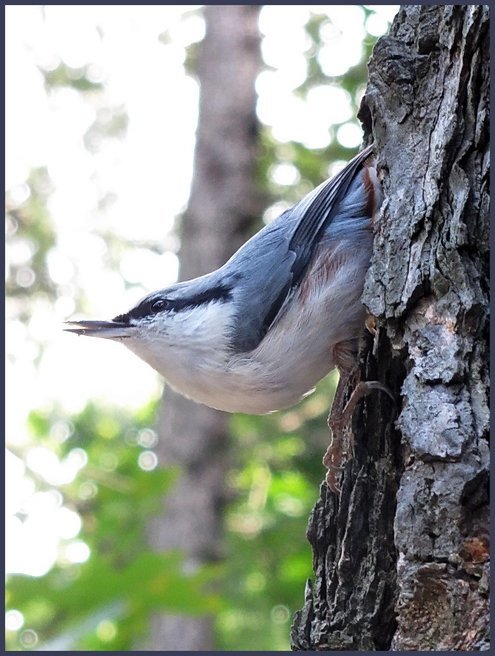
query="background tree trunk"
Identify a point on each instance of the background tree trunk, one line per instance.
(222, 206)
(401, 556)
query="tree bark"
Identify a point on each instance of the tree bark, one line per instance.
(222, 207)
(401, 555)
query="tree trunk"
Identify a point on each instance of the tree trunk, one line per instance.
(401, 555)
(221, 211)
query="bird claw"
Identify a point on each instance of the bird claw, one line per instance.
(375, 385)
(331, 482)
(329, 458)
(339, 424)
(370, 324)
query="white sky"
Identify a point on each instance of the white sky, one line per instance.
(149, 172)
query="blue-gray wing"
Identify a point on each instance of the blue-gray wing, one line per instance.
(271, 265)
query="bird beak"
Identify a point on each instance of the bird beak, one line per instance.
(106, 329)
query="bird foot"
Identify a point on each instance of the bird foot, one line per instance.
(339, 422)
(370, 324)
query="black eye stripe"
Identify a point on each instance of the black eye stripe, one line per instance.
(145, 309)
(149, 308)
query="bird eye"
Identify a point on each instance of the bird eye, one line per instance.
(158, 305)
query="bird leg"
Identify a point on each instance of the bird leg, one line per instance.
(338, 423)
(339, 419)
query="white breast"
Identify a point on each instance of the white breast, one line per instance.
(295, 354)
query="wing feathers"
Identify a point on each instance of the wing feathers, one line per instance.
(320, 212)
(276, 259)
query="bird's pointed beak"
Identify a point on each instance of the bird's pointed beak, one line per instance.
(106, 329)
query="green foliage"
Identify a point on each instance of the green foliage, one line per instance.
(276, 480)
(125, 593)
(353, 79)
(110, 123)
(312, 165)
(67, 76)
(28, 227)
(122, 581)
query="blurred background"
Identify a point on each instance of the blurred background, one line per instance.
(139, 150)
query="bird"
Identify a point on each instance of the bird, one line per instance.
(256, 335)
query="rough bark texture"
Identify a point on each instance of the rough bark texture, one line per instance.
(401, 556)
(222, 207)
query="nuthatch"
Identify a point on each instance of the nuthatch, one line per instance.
(257, 334)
